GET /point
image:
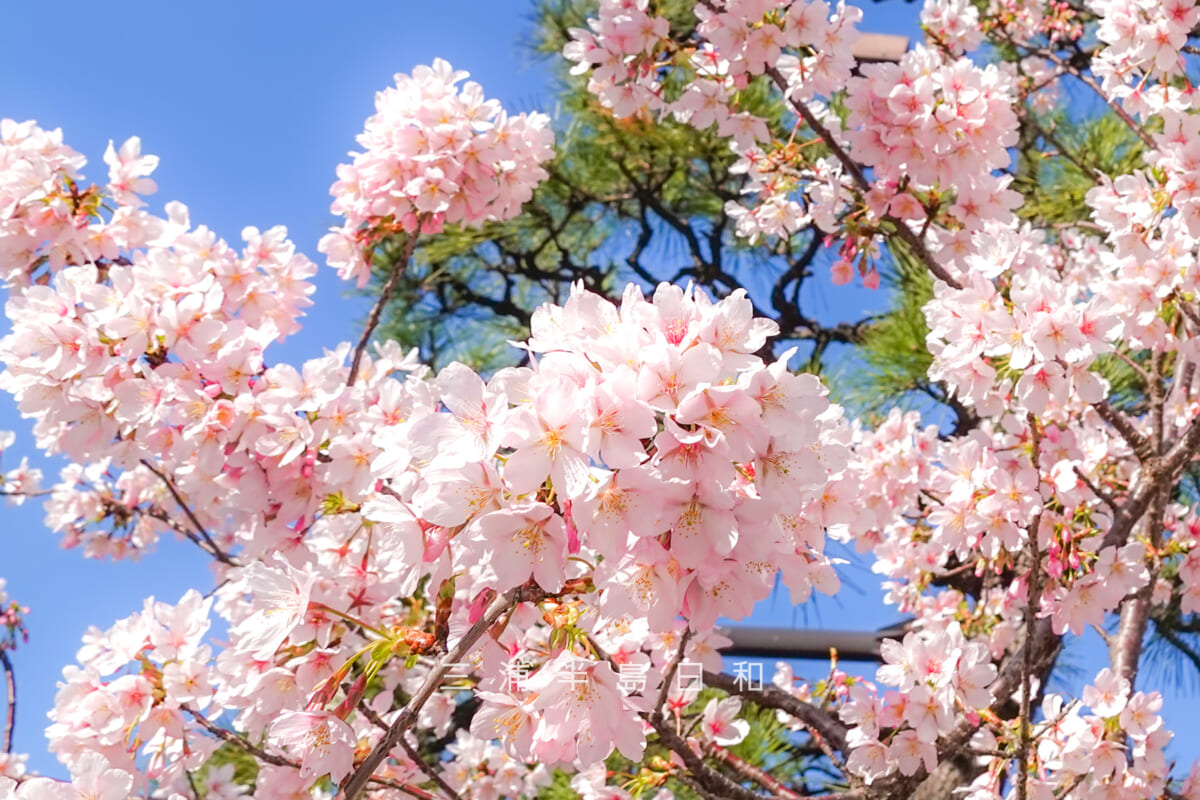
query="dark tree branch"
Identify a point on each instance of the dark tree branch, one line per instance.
(239, 741)
(649, 196)
(208, 543)
(1032, 605)
(385, 294)
(1124, 425)
(751, 772)
(1090, 82)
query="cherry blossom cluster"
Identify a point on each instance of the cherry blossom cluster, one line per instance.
(1012, 530)
(1144, 42)
(433, 153)
(626, 46)
(954, 24)
(934, 126)
(40, 201)
(962, 508)
(934, 675)
(801, 45)
(1034, 344)
(932, 130)
(645, 466)
(145, 681)
(1080, 753)
(94, 778)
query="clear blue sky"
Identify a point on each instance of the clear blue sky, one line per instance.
(250, 106)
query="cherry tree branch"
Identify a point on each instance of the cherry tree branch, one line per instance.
(1133, 365)
(416, 757)
(158, 513)
(1185, 381)
(712, 781)
(1064, 151)
(357, 780)
(1104, 496)
(669, 673)
(761, 777)
(208, 543)
(650, 197)
(10, 715)
(239, 741)
(1090, 82)
(1124, 425)
(191, 779)
(385, 295)
(697, 788)
(1125, 645)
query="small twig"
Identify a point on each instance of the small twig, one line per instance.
(429, 771)
(669, 674)
(1090, 82)
(904, 232)
(1104, 496)
(279, 761)
(158, 513)
(192, 783)
(829, 731)
(1136, 367)
(239, 741)
(384, 296)
(371, 716)
(212, 546)
(717, 783)
(1132, 436)
(1066, 153)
